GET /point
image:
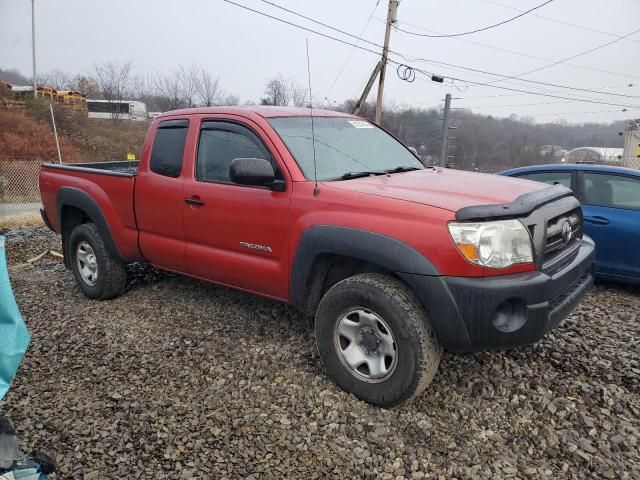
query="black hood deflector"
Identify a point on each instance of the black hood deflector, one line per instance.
(521, 206)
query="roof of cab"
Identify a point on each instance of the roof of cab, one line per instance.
(263, 111)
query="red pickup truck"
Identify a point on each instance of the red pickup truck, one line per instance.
(332, 214)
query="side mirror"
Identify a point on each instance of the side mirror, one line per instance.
(256, 172)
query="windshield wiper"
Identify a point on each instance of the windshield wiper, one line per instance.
(402, 169)
(364, 173)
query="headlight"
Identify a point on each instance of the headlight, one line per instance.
(498, 244)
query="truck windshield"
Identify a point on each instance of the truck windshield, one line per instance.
(345, 147)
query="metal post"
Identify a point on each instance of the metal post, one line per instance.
(33, 45)
(445, 129)
(55, 133)
(391, 18)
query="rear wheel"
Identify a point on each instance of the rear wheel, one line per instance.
(98, 273)
(375, 339)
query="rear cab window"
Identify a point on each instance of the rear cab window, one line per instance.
(168, 148)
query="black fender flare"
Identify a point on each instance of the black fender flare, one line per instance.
(74, 197)
(382, 250)
(393, 255)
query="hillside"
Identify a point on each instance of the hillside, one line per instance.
(29, 134)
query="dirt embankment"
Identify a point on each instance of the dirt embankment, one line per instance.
(28, 135)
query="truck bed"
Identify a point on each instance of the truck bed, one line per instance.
(103, 189)
(119, 168)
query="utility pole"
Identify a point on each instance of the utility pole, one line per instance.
(445, 129)
(33, 45)
(391, 18)
(367, 89)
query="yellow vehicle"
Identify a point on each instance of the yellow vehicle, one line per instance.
(17, 96)
(71, 97)
(48, 92)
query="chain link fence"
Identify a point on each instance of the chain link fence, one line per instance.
(19, 192)
(632, 162)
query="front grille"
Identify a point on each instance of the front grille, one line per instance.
(556, 246)
(545, 223)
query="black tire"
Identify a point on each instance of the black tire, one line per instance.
(45, 462)
(111, 273)
(417, 351)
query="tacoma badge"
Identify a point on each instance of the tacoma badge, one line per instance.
(253, 246)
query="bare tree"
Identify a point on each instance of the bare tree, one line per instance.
(277, 91)
(169, 86)
(114, 81)
(208, 90)
(298, 94)
(230, 100)
(142, 86)
(281, 91)
(189, 80)
(86, 85)
(55, 79)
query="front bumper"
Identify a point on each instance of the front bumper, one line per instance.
(489, 313)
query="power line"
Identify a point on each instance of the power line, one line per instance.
(15, 42)
(521, 94)
(310, 30)
(500, 95)
(428, 74)
(514, 52)
(427, 79)
(561, 22)
(478, 29)
(493, 75)
(548, 84)
(574, 113)
(353, 49)
(360, 39)
(513, 105)
(573, 56)
(521, 105)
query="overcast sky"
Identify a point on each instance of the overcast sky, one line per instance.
(244, 48)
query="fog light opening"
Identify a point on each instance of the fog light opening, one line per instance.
(510, 316)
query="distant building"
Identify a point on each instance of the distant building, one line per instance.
(594, 155)
(554, 151)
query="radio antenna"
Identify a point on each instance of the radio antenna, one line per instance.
(316, 190)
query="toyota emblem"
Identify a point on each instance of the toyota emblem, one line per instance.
(567, 233)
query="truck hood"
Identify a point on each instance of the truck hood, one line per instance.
(442, 188)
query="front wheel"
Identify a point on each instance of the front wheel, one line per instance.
(375, 339)
(98, 273)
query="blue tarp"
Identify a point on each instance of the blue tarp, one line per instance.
(14, 336)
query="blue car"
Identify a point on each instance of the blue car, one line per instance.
(610, 198)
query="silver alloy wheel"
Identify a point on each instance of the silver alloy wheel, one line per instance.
(365, 345)
(87, 263)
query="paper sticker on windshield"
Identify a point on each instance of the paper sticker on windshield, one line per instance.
(360, 124)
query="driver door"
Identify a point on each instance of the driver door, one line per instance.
(236, 235)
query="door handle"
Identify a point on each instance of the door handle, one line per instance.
(597, 220)
(194, 202)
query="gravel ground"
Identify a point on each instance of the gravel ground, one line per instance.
(179, 379)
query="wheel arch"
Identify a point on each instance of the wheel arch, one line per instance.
(327, 254)
(75, 207)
